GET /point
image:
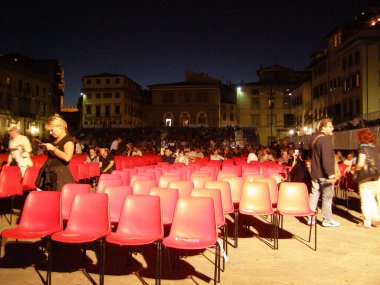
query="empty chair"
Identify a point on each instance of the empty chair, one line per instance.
(273, 190)
(165, 179)
(184, 187)
(83, 172)
(124, 175)
(139, 177)
(199, 181)
(225, 191)
(93, 169)
(10, 185)
(74, 169)
(29, 178)
(140, 224)
(68, 193)
(143, 187)
(256, 201)
(103, 183)
(168, 197)
(223, 173)
(108, 176)
(236, 184)
(116, 197)
(81, 229)
(293, 200)
(41, 217)
(194, 227)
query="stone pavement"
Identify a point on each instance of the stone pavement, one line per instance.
(345, 255)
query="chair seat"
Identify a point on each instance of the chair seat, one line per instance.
(125, 239)
(297, 214)
(256, 212)
(19, 233)
(68, 237)
(187, 243)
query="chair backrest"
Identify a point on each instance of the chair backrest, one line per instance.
(225, 173)
(74, 169)
(293, 199)
(273, 190)
(225, 191)
(168, 197)
(199, 181)
(236, 183)
(135, 177)
(42, 212)
(184, 187)
(255, 199)
(10, 181)
(29, 178)
(142, 187)
(194, 219)
(89, 215)
(141, 215)
(218, 205)
(102, 184)
(68, 193)
(165, 179)
(124, 175)
(108, 176)
(116, 197)
(93, 169)
(83, 171)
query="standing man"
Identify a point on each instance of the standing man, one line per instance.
(19, 150)
(322, 172)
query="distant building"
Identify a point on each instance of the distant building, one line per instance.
(111, 101)
(267, 104)
(346, 75)
(200, 100)
(30, 91)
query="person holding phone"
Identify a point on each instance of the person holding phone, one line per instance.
(55, 172)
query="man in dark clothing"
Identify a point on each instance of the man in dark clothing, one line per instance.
(166, 155)
(106, 160)
(322, 172)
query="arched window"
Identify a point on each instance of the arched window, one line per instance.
(202, 118)
(184, 119)
(168, 119)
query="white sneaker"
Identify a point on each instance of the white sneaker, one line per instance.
(310, 220)
(331, 223)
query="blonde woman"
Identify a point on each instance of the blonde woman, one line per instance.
(60, 151)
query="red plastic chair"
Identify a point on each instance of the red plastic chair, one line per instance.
(124, 175)
(104, 182)
(251, 177)
(29, 179)
(41, 217)
(10, 185)
(165, 179)
(93, 169)
(225, 191)
(184, 187)
(116, 197)
(139, 177)
(168, 198)
(143, 187)
(74, 169)
(273, 190)
(293, 200)
(82, 229)
(236, 184)
(256, 201)
(223, 173)
(140, 224)
(68, 193)
(83, 172)
(199, 181)
(194, 227)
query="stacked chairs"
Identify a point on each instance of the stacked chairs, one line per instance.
(140, 224)
(256, 201)
(194, 228)
(41, 217)
(10, 185)
(82, 230)
(293, 201)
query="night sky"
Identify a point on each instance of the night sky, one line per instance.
(154, 42)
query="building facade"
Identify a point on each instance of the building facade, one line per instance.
(30, 92)
(200, 100)
(346, 75)
(267, 103)
(111, 101)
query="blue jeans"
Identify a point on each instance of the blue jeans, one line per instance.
(327, 189)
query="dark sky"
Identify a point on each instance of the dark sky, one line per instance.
(155, 41)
